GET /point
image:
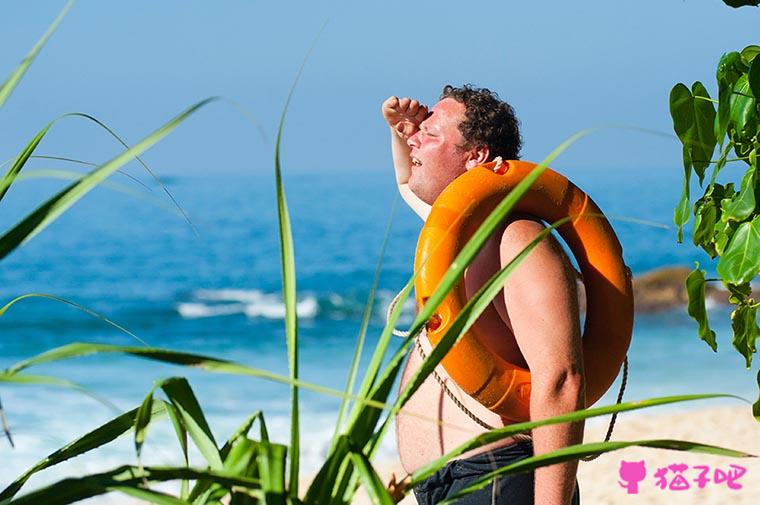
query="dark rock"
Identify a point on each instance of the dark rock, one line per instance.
(665, 288)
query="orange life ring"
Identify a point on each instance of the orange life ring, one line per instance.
(503, 387)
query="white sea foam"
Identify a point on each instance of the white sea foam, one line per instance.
(191, 310)
(256, 303)
(306, 308)
(251, 302)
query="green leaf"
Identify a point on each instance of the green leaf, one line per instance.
(181, 432)
(92, 440)
(739, 292)
(695, 288)
(746, 331)
(748, 54)
(210, 364)
(149, 496)
(724, 230)
(739, 3)
(49, 211)
(181, 396)
(507, 431)
(39, 380)
(358, 348)
(126, 479)
(142, 420)
(77, 306)
(21, 160)
(575, 452)
(234, 454)
(12, 81)
(372, 483)
(694, 122)
(740, 261)
(730, 68)
(704, 223)
(287, 259)
(742, 205)
(683, 210)
(741, 104)
(753, 77)
(270, 459)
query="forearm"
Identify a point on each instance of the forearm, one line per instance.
(555, 484)
(402, 161)
(402, 164)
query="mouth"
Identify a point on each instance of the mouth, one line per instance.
(416, 162)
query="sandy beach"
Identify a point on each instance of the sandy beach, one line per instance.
(731, 426)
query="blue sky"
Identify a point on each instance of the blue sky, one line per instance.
(563, 65)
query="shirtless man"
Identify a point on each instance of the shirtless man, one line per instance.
(533, 322)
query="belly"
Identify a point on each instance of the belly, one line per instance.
(431, 424)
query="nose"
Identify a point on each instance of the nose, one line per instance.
(414, 140)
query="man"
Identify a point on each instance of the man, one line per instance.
(533, 322)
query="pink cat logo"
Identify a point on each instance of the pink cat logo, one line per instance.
(632, 472)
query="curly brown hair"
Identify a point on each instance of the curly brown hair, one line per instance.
(489, 121)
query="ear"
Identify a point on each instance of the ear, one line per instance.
(477, 156)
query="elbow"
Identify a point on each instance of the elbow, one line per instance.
(567, 382)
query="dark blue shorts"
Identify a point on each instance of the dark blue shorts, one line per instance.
(514, 489)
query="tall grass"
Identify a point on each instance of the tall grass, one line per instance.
(248, 467)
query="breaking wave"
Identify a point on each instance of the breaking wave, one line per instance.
(255, 303)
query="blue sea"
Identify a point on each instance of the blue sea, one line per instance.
(126, 253)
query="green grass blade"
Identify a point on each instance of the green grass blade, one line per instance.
(239, 459)
(181, 396)
(181, 432)
(12, 81)
(289, 283)
(333, 478)
(372, 483)
(92, 440)
(22, 158)
(5, 427)
(321, 488)
(77, 306)
(38, 219)
(147, 169)
(75, 489)
(71, 175)
(574, 452)
(329, 480)
(239, 454)
(44, 380)
(27, 152)
(149, 496)
(210, 364)
(90, 164)
(353, 370)
(271, 461)
(287, 259)
(513, 429)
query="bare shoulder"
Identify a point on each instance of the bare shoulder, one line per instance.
(546, 261)
(521, 230)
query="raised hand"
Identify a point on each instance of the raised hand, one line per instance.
(404, 115)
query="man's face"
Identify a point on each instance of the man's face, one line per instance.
(437, 158)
